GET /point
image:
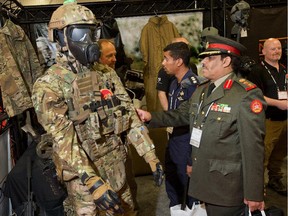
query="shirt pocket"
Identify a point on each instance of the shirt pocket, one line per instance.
(224, 167)
(220, 124)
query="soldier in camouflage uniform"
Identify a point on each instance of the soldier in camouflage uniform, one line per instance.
(85, 109)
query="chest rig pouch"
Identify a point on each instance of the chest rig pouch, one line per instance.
(99, 132)
(106, 115)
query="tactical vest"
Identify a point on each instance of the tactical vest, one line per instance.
(99, 119)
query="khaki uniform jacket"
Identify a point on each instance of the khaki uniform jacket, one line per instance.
(155, 36)
(228, 165)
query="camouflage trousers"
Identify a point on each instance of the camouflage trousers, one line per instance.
(80, 202)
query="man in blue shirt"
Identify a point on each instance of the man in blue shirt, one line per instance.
(178, 151)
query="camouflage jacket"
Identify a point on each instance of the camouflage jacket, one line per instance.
(19, 68)
(62, 106)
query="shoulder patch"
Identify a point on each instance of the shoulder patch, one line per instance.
(246, 84)
(256, 106)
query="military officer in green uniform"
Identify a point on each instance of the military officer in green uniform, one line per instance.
(227, 130)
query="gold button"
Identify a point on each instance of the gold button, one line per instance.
(203, 113)
(219, 118)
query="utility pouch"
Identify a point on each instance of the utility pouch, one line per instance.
(111, 167)
(107, 123)
(121, 120)
(93, 126)
(117, 122)
(17, 96)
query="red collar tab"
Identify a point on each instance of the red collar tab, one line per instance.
(224, 47)
(228, 84)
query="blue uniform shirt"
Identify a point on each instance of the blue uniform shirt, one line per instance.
(179, 147)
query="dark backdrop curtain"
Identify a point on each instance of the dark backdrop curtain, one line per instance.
(263, 24)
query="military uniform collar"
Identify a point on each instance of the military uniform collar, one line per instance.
(12, 30)
(158, 19)
(101, 67)
(219, 81)
(219, 92)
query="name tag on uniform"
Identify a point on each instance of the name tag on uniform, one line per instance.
(282, 95)
(196, 137)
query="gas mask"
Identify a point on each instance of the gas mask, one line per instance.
(81, 43)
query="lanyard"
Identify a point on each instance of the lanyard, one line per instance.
(198, 111)
(171, 100)
(278, 89)
(176, 98)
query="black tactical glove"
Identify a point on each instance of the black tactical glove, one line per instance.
(157, 171)
(104, 197)
(109, 201)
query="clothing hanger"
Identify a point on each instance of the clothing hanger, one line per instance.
(155, 12)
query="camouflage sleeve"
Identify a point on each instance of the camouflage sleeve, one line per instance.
(138, 133)
(50, 106)
(34, 61)
(34, 66)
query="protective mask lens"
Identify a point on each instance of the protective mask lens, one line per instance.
(83, 33)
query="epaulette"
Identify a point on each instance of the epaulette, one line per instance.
(193, 79)
(189, 81)
(246, 84)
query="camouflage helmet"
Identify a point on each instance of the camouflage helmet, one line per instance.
(68, 14)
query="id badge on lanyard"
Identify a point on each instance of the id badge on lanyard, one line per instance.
(196, 135)
(282, 95)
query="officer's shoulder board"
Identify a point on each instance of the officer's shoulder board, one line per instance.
(246, 84)
(193, 79)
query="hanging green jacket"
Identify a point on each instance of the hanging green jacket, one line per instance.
(155, 36)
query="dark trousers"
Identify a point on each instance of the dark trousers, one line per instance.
(216, 210)
(176, 180)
